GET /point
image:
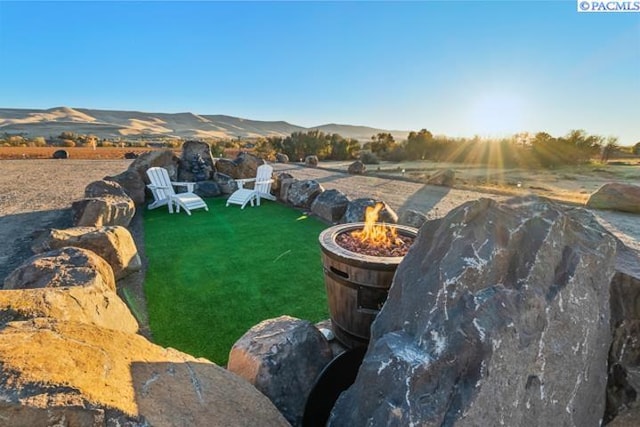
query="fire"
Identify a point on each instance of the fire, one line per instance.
(374, 234)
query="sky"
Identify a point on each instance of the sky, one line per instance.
(458, 68)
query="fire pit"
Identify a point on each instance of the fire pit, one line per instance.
(357, 284)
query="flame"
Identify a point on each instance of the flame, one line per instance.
(373, 233)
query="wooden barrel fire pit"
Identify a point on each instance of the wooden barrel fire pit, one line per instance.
(357, 285)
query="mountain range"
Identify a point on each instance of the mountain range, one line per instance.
(132, 124)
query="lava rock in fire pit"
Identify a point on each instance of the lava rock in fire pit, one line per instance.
(498, 315)
(356, 209)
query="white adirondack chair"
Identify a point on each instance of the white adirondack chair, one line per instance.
(164, 193)
(261, 188)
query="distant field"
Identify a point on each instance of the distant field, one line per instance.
(84, 153)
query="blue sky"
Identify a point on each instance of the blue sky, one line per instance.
(458, 68)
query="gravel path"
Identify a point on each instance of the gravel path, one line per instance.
(37, 194)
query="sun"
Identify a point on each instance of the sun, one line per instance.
(496, 115)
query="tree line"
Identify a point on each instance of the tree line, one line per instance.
(520, 150)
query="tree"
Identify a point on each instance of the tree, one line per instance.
(382, 144)
(418, 144)
(636, 149)
(609, 148)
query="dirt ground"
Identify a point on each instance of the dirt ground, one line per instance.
(36, 195)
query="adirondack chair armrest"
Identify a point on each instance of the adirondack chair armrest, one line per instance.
(190, 185)
(269, 181)
(243, 181)
(157, 187)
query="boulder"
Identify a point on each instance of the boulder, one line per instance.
(196, 162)
(356, 209)
(104, 188)
(616, 196)
(302, 193)
(357, 168)
(133, 185)
(60, 268)
(282, 357)
(444, 177)
(624, 369)
(227, 184)
(103, 211)
(60, 154)
(277, 181)
(628, 419)
(207, 189)
(623, 387)
(282, 158)
(330, 205)
(311, 161)
(91, 304)
(130, 155)
(160, 158)
(245, 165)
(498, 315)
(412, 218)
(113, 243)
(284, 185)
(105, 377)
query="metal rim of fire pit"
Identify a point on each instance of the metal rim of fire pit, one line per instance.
(328, 241)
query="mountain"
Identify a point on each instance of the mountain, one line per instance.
(114, 124)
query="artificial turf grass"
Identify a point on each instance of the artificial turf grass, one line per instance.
(213, 275)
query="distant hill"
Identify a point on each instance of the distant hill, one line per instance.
(113, 124)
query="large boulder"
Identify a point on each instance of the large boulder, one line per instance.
(357, 168)
(616, 196)
(282, 358)
(443, 177)
(330, 205)
(91, 304)
(227, 184)
(132, 183)
(207, 189)
(302, 193)
(311, 161)
(498, 315)
(103, 211)
(196, 162)
(74, 374)
(62, 268)
(245, 165)
(412, 218)
(114, 244)
(156, 158)
(104, 188)
(282, 158)
(357, 208)
(284, 185)
(623, 388)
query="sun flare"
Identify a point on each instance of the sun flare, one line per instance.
(496, 115)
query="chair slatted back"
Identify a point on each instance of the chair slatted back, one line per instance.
(263, 179)
(159, 177)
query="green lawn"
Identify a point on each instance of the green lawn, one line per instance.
(213, 275)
